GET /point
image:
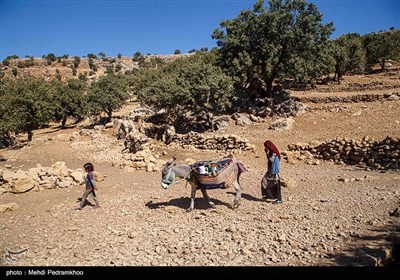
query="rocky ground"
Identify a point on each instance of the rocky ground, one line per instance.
(325, 220)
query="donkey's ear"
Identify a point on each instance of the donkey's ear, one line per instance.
(171, 162)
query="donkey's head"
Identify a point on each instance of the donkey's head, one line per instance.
(168, 175)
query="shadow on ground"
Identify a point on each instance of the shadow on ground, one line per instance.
(247, 196)
(376, 249)
(184, 202)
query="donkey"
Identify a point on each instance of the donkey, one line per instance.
(228, 176)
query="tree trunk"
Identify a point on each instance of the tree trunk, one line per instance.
(10, 137)
(268, 93)
(30, 135)
(338, 73)
(64, 121)
(383, 66)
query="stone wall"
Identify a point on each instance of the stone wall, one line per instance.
(221, 143)
(384, 154)
(349, 99)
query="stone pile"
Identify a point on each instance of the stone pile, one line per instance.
(282, 105)
(126, 148)
(122, 127)
(40, 178)
(350, 99)
(141, 160)
(135, 142)
(379, 155)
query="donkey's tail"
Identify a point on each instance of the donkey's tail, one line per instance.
(241, 169)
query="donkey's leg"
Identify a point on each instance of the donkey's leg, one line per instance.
(192, 196)
(238, 196)
(205, 195)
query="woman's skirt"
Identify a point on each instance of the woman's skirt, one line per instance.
(271, 186)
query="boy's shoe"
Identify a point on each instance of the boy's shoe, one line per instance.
(277, 202)
(97, 206)
(78, 208)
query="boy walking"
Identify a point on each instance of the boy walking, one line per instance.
(90, 186)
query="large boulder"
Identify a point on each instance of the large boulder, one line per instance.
(282, 124)
(77, 175)
(23, 184)
(58, 169)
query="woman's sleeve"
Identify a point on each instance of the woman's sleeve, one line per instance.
(272, 158)
(276, 166)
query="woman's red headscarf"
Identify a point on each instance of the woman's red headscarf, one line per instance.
(272, 148)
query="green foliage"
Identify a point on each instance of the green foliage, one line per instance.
(137, 57)
(192, 51)
(101, 54)
(82, 77)
(92, 65)
(76, 62)
(119, 56)
(146, 62)
(177, 52)
(92, 56)
(156, 61)
(284, 40)
(68, 100)
(382, 46)
(50, 58)
(193, 84)
(349, 54)
(107, 94)
(29, 62)
(109, 69)
(26, 105)
(74, 71)
(118, 67)
(21, 64)
(6, 62)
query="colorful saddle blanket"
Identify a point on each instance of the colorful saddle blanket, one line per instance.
(223, 177)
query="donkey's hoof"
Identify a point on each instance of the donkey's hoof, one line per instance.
(189, 210)
(235, 206)
(212, 205)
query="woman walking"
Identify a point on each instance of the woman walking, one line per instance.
(271, 183)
